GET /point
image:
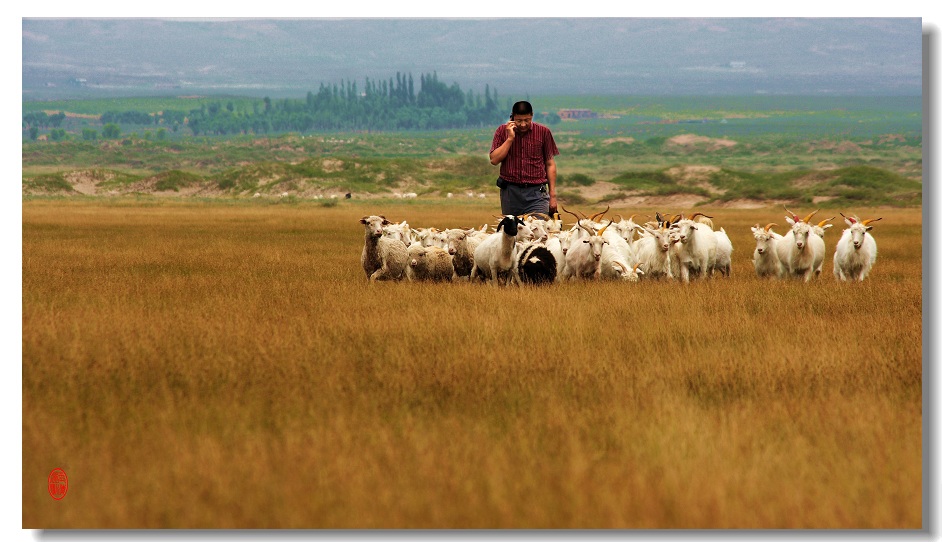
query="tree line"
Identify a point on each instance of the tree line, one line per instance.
(392, 104)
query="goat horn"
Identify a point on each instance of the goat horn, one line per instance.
(600, 232)
(572, 213)
(620, 218)
(544, 216)
(821, 224)
(698, 213)
(598, 216)
(869, 220)
(807, 218)
(794, 216)
(852, 219)
(675, 218)
(769, 225)
(631, 218)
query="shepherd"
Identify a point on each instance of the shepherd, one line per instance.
(525, 151)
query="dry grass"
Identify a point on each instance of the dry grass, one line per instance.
(205, 365)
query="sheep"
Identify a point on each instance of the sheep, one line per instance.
(429, 264)
(383, 258)
(765, 257)
(494, 258)
(536, 264)
(798, 249)
(583, 259)
(724, 253)
(696, 251)
(461, 244)
(653, 251)
(856, 251)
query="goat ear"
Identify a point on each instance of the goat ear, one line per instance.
(868, 227)
(790, 220)
(363, 220)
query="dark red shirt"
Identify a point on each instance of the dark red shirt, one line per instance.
(525, 163)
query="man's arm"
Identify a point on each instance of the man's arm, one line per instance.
(497, 155)
(551, 177)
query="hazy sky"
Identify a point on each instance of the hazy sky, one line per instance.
(818, 56)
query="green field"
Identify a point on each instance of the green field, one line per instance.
(829, 151)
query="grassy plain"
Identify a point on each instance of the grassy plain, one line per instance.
(226, 365)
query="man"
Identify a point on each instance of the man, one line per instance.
(525, 151)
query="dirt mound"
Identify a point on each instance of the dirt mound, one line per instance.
(702, 143)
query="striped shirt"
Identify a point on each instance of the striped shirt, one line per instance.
(525, 163)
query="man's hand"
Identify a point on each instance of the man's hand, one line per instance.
(509, 128)
(552, 205)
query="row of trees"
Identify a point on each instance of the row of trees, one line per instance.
(392, 104)
(383, 105)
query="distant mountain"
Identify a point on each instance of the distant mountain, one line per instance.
(288, 57)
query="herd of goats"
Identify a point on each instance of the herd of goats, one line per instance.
(540, 249)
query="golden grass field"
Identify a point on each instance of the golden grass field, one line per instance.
(213, 365)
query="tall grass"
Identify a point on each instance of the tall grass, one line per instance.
(228, 366)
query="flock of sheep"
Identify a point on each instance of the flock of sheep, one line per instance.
(538, 249)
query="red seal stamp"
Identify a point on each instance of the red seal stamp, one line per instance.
(58, 484)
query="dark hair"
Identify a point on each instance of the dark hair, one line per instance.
(521, 108)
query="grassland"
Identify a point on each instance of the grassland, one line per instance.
(734, 151)
(225, 364)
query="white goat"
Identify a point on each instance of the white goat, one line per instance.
(584, 257)
(654, 252)
(383, 258)
(724, 253)
(818, 230)
(765, 257)
(798, 249)
(697, 248)
(856, 252)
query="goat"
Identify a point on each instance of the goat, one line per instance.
(724, 253)
(584, 257)
(765, 257)
(818, 230)
(696, 251)
(798, 249)
(856, 251)
(654, 252)
(383, 258)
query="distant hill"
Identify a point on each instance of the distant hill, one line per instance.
(69, 58)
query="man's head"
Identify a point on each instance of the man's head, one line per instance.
(522, 115)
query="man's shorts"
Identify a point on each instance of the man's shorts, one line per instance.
(520, 199)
